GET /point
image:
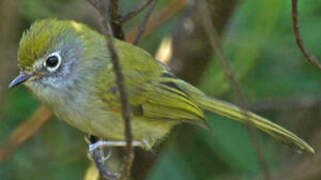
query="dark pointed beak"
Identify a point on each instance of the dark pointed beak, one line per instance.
(22, 77)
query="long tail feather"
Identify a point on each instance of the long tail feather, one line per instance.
(235, 113)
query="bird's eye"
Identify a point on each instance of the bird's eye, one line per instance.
(52, 62)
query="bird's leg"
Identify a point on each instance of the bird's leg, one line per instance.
(96, 152)
(102, 143)
(98, 156)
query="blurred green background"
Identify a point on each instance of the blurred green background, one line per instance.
(259, 42)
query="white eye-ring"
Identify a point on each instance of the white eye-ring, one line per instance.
(53, 61)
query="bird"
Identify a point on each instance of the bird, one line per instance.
(67, 65)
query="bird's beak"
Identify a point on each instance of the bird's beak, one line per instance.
(22, 77)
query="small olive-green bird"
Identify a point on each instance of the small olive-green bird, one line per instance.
(68, 67)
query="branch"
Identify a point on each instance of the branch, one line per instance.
(135, 12)
(215, 43)
(170, 10)
(313, 60)
(116, 26)
(142, 26)
(25, 131)
(120, 80)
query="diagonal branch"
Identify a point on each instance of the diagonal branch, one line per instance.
(296, 27)
(120, 80)
(142, 26)
(26, 130)
(215, 43)
(171, 9)
(135, 12)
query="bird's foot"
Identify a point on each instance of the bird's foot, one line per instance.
(101, 144)
(96, 152)
(99, 158)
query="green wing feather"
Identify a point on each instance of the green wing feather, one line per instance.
(151, 89)
(161, 96)
(233, 112)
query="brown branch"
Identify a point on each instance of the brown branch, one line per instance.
(170, 10)
(25, 131)
(135, 12)
(116, 26)
(296, 27)
(142, 26)
(114, 9)
(215, 43)
(120, 80)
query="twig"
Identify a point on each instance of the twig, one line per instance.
(215, 43)
(116, 26)
(120, 80)
(142, 26)
(313, 60)
(135, 12)
(170, 10)
(25, 131)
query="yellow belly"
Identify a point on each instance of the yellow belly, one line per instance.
(144, 130)
(109, 125)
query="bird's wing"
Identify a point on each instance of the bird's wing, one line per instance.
(152, 90)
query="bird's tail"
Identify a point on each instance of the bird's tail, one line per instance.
(235, 113)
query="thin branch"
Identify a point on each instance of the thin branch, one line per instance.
(173, 8)
(120, 80)
(114, 9)
(296, 27)
(25, 131)
(116, 26)
(142, 26)
(135, 12)
(215, 43)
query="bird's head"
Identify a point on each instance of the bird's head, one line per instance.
(52, 53)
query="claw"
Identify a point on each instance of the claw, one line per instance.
(147, 144)
(105, 158)
(99, 159)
